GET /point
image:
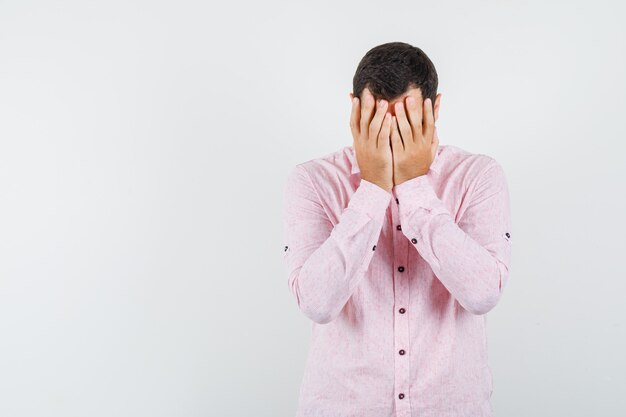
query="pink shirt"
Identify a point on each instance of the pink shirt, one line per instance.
(397, 284)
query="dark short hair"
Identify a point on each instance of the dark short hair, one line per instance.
(390, 69)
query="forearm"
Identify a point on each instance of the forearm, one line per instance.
(468, 270)
(472, 270)
(328, 277)
(325, 263)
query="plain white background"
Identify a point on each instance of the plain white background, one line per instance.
(144, 147)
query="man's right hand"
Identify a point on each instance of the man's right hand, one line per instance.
(371, 127)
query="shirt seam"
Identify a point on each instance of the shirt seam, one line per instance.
(319, 199)
(472, 188)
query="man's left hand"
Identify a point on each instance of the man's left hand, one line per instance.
(414, 139)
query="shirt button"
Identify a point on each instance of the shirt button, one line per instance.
(507, 234)
(400, 268)
(397, 202)
(413, 240)
(286, 248)
(401, 352)
(402, 310)
(401, 395)
(374, 248)
(399, 227)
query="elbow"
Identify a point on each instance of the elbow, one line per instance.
(323, 317)
(486, 300)
(482, 305)
(316, 310)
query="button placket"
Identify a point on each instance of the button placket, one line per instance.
(401, 319)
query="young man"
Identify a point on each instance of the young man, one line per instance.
(396, 248)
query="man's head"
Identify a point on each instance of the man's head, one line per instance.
(395, 70)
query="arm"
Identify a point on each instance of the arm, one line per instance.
(325, 263)
(471, 259)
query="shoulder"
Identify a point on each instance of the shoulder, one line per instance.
(473, 165)
(326, 167)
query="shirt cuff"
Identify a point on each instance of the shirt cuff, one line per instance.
(418, 193)
(370, 199)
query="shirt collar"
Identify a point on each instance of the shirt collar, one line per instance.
(435, 166)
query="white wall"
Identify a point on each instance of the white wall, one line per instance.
(143, 152)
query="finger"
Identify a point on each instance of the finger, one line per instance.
(377, 120)
(403, 124)
(368, 105)
(383, 136)
(415, 117)
(354, 118)
(429, 122)
(396, 139)
(435, 143)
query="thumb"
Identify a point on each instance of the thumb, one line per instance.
(396, 139)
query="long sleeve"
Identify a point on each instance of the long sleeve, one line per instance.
(325, 263)
(471, 258)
